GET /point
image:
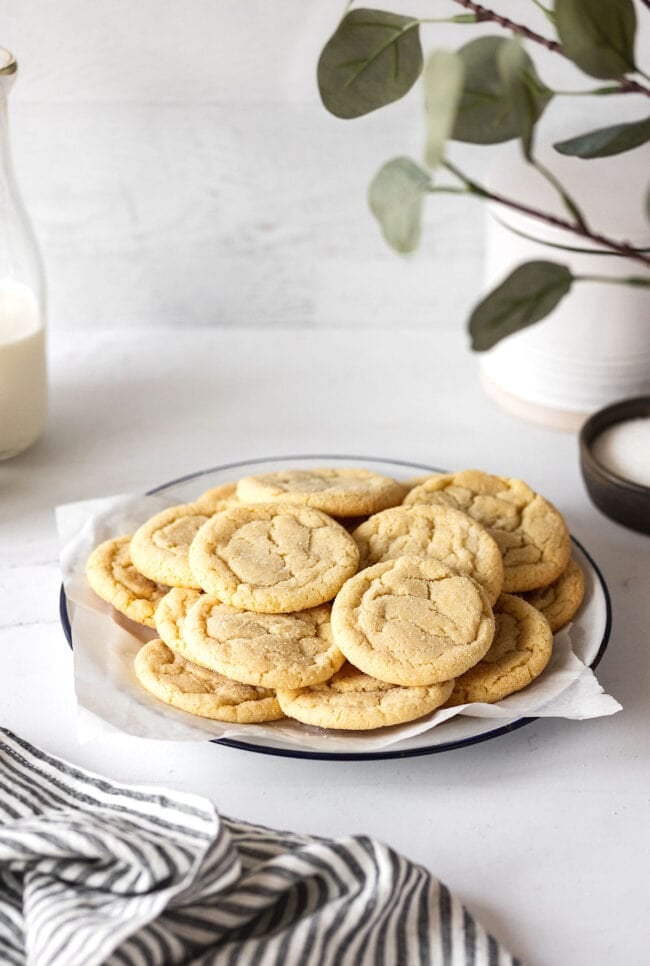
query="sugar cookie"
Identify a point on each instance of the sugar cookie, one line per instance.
(531, 533)
(113, 576)
(272, 558)
(171, 613)
(560, 601)
(433, 531)
(175, 681)
(352, 700)
(412, 621)
(339, 492)
(160, 547)
(271, 650)
(414, 481)
(522, 646)
(217, 498)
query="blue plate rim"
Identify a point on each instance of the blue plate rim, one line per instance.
(363, 755)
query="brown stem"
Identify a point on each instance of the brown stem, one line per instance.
(626, 85)
(629, 86)
(483, 14)
(620, 247)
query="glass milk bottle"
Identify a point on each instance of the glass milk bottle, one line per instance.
(23, 389)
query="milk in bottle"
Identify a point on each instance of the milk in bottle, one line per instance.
(22, 301)
(22, 368)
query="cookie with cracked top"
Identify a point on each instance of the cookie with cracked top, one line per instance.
(433, 531)
(352, 700)
(269, 650)
(113, 576)
(171, 614)
(339, 492)
(412, 621)
(560, 601)
(532, 535)
(272, 558)
(181, 684)
(521, 649)
(160, 547)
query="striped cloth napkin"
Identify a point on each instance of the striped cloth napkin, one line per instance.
(92, 871)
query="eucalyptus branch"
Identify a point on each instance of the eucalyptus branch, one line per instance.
(483, 14)
(567, 200)
(620, 247)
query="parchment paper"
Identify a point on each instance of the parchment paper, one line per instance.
(110, 698)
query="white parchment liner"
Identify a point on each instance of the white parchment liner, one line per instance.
(110, 697)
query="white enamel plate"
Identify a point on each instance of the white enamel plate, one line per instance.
(589, 636)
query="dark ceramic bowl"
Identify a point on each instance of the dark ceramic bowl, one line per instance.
(619, 499)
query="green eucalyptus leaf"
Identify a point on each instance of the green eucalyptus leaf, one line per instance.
(372, 58)
(606, 141)
(396, 195)
(486, 112)
(527, 295)
(527, 95)
(598, 35)
(443, 84)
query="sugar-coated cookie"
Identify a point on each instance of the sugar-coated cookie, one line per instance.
(521, 649)
(560, 601)
(113, 576)
(217, 498)
(272, 558)
(171, 613)
(339, 492)
(414, 481)
(433, 531)
(175, 681)
(160, 547)
(412, 621)
(531, 533)
(351, 700)
(270, 650)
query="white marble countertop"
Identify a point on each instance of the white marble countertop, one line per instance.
(542, 833)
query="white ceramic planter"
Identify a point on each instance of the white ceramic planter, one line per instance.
(595, 347)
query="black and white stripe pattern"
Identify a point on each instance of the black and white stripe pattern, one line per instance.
(93, 872)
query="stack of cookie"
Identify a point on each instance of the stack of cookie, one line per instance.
(342, 598)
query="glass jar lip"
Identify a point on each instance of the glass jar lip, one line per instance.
(8, 63)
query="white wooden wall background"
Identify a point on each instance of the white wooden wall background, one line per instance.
(180, 169)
